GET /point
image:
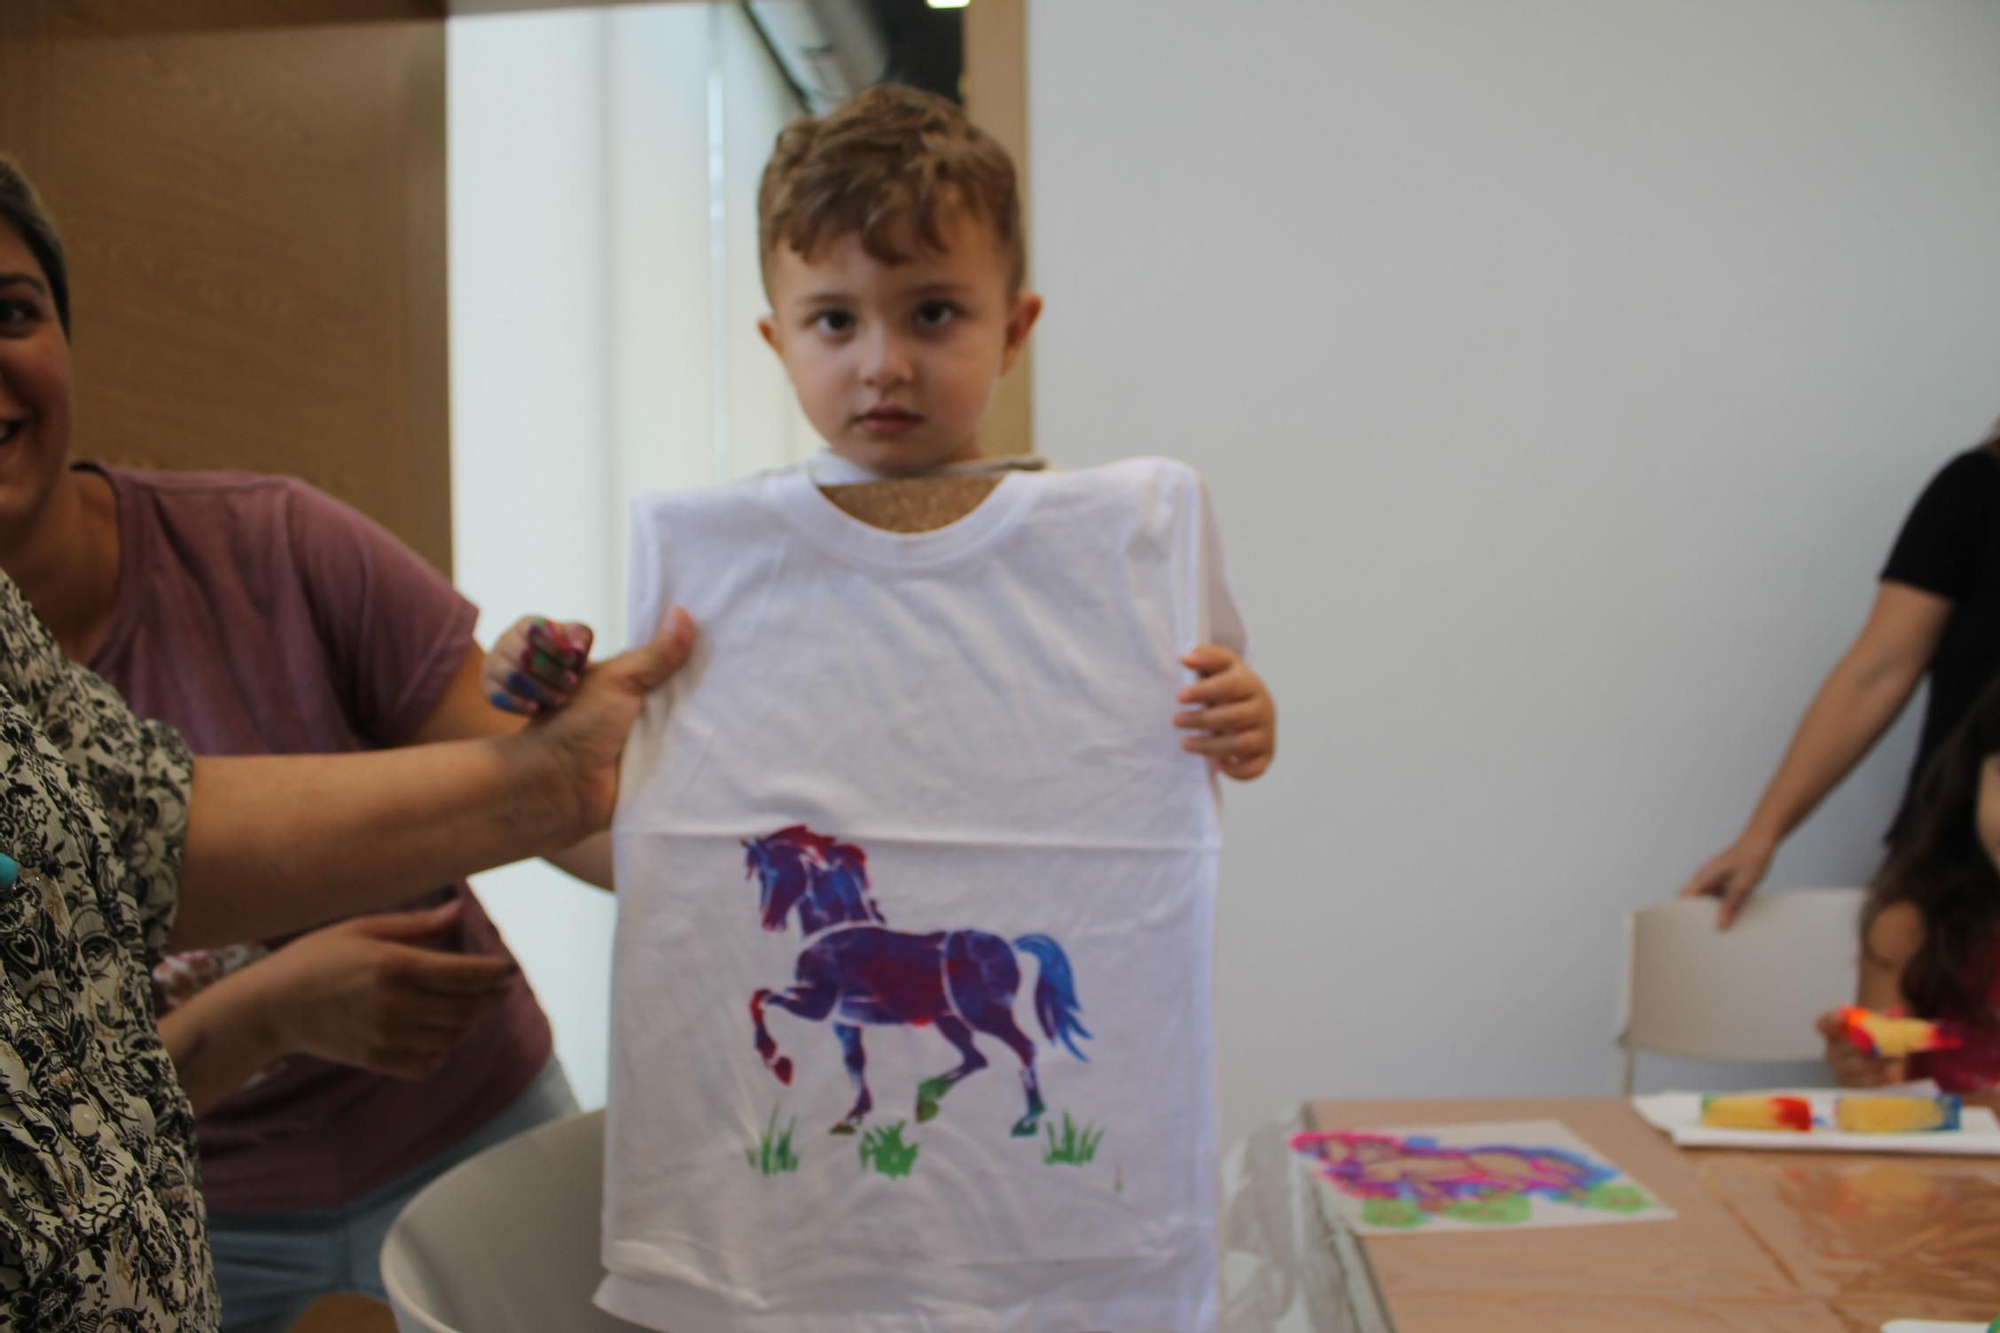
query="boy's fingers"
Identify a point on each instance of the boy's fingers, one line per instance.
(1224, 718)
(1228, 687)
(1216, 747)
(1208, 659)
(1246, 767)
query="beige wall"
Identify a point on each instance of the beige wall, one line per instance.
(252, 195)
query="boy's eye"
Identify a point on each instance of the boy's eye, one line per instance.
(18, 314)
(833, 321)
(936, 314)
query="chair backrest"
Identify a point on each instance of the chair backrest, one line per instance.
(508, 1241)
(1749, 993)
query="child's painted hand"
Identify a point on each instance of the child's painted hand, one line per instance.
(1851, 1067)
(1232, 713)
(536, 665)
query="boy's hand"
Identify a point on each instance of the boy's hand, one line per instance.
(536, 664)
(1851, 1068)
(1233, 713)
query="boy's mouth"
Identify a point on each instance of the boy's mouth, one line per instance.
(888, 419)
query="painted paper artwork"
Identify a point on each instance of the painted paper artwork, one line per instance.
(1470, 1178)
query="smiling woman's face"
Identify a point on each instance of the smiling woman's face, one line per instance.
(34, 390)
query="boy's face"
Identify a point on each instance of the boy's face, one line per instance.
(894, 363)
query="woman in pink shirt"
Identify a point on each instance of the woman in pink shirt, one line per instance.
(337, 1072)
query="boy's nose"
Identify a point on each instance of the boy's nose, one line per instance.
(888, 364)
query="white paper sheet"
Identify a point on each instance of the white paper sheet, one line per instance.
(1492, 1177)
(1678, 1114)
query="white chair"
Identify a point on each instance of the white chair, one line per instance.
(1747, 994)
(508, 1241)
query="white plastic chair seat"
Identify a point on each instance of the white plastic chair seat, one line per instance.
(508, 1241)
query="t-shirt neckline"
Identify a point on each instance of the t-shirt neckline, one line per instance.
(794, 494)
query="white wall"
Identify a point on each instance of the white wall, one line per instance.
(1562, 369)
(603, 297)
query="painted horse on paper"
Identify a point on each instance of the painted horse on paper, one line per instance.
(857, 972)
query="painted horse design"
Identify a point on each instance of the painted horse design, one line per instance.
(857, 972)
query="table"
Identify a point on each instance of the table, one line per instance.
(1776, 1242)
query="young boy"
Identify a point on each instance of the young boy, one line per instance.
(893, 258)
(946, 716)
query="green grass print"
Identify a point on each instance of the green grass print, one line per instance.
(1618, 1198)
(884, 1151)
(1501, 1209)
(773, 1154)
(1076, 1147)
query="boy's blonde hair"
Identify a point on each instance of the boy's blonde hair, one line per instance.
(891, 165)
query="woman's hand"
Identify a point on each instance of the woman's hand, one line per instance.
(585, 737)
(1732, 875)
(538, 663)
(366, 992)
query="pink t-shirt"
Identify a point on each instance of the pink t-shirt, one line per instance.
(258, 616)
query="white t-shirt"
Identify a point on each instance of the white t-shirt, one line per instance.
(913, 1016)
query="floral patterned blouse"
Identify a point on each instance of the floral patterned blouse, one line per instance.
(101, 1220)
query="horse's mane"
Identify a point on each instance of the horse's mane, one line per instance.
(846, 881)
(836, 872)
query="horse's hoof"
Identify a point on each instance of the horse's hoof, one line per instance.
(926, 1111)
(842, 1128)
(783, 1069)
(1026, 1129)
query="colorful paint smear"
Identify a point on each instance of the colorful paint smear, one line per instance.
(1399, 1181)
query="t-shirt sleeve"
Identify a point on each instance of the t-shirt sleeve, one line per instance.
(1222, 621)
(1943, 541)
(395, 629)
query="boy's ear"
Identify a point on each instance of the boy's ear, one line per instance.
(1020, 322)
(767, 326)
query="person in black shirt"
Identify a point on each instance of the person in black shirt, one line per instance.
(1937, 610)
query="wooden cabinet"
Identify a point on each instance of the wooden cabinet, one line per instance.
(252, 194)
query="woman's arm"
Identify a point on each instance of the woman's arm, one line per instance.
(1856, 703)
(467, 713)
(276, 843)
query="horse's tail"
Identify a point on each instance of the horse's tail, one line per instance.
(1055, 992)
